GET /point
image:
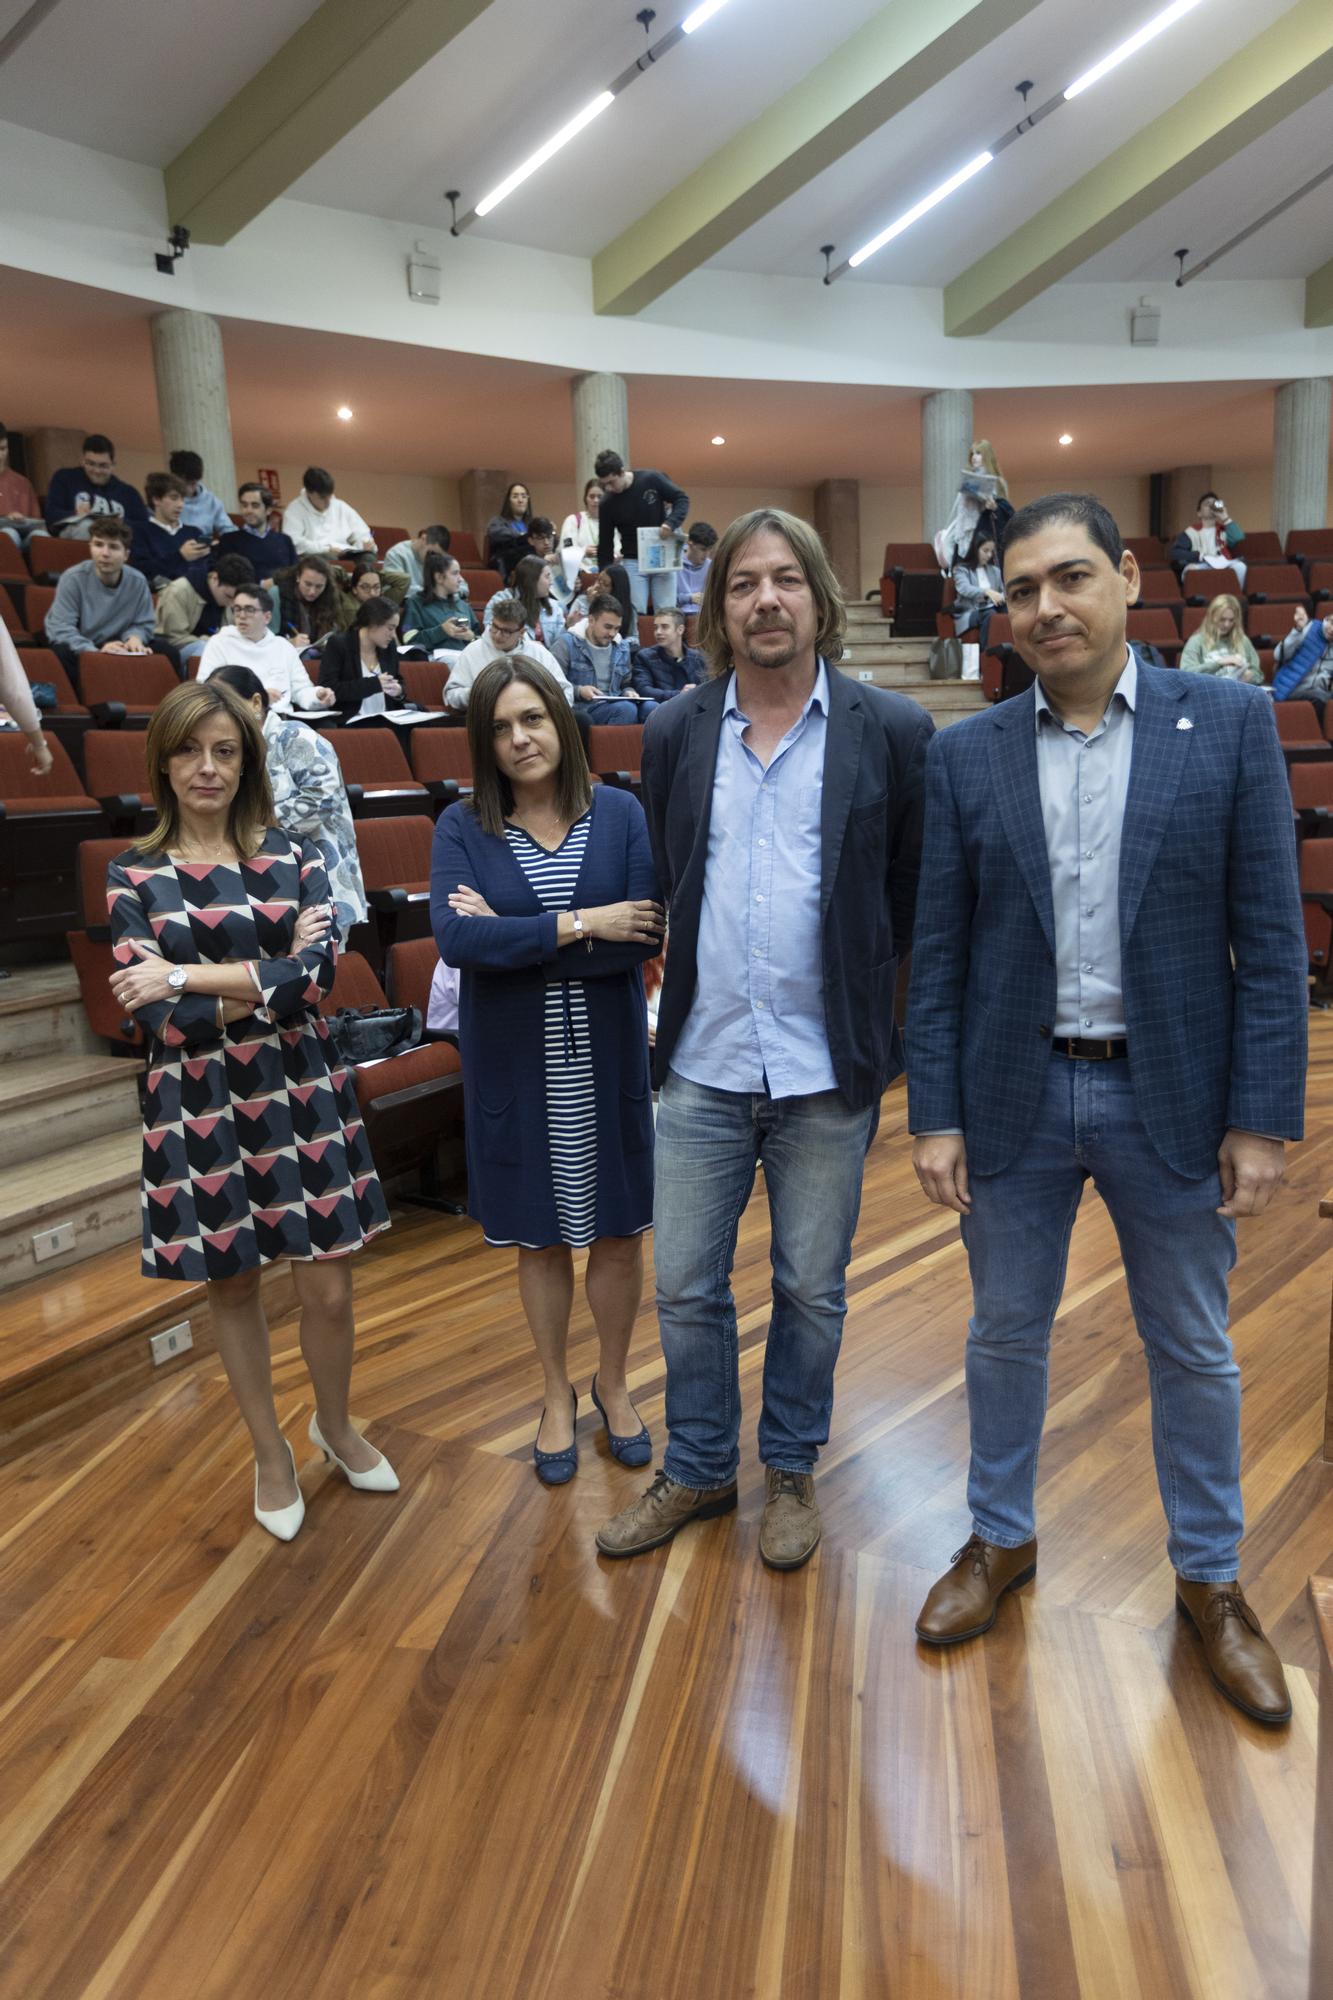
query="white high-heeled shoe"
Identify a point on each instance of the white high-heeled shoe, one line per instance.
(284, 1522)
(380, 1478)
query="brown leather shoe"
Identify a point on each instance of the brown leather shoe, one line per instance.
(660, 1513)
(790, 1530)
(1243, 1665)
(964, 1603)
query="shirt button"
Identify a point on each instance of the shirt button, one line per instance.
(1087, 798)
(763, 843)
(759, 899)
(1088, 853)
(1087, 965)
(758, 1003)
(1087, 1020)
(1091, 910)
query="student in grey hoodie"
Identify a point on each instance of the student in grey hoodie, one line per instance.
(102, 605)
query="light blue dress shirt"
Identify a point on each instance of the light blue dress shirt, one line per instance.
(757, 1018)
(1084, 784)
(206, 513)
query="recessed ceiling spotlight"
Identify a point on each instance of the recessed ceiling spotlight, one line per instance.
(719, 440)
(1065, 438)
(343, 414)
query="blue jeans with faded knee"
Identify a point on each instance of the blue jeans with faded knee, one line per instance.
(1178, 1253)
(709, 1143)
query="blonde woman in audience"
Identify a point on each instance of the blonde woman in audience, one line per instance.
(254, 1148)
(578, 534)
(1221, 647)
(981, 508)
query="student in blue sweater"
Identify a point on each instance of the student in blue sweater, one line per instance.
(81, 494)
(266, 549)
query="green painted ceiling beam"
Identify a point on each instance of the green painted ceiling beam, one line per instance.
(1284, 68)
(885, 66)
(325, 79)
(1319, 296)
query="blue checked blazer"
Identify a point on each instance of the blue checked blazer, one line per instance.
(1213, 954)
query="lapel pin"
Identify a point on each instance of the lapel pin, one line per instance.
(1184, 723)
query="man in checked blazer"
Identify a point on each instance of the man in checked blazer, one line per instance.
(1109, 984)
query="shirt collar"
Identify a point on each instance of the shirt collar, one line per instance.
(818, 693)
(1126, 688)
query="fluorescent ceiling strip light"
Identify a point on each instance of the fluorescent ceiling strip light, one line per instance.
(544, 153)
(923, 207)
(1147, 33)
(700, 15)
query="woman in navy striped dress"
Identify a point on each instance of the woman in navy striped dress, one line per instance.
(543, 894)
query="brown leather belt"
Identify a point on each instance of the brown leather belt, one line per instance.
(1069, 1045)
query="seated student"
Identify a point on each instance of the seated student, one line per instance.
(612, 582)
(533, 584)
(408, 558)
(668, 666)
(103, 605)
(508, 633)
(578, 536)
(369, 580)
(163, 547)
(438, 617)
(695, 563)
(978, 590)
(1221, 647)
(309, 796)
(20, 515)
(320, 523)
(247, 642)
(203, 510)
(507, 531)
(310, 604)
(188, 616)
(600, 665)
(267, 548)
(80, 495)
(361, 667)
(1306, 670)
(1210, 542)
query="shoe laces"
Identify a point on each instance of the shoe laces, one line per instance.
(974, 1547)
(785, 1481)
(657, 1491)
(1224, 1604)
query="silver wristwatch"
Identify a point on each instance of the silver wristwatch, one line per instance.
(580, 935)
(176, 978)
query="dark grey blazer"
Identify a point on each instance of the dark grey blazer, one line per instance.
(874, 764)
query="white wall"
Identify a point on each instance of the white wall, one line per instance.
(75, 214)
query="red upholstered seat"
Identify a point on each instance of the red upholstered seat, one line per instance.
(1298, 728)
(1155, 628)
(37, 601)
(395, 853)
(411, 970)
(442, 753)
(22, 791)
(482, 585)
(10, 616)
(90, 948)
(411, 1100)
(387, 538)
(376, 772)
(1261, 545)
(614, 749)
(1275, 579)
(1310, 545)
(48, 555)
(463, 547)
(11, 561)
(115, 762)
(40, 664)
(423, 682)
(138, 681)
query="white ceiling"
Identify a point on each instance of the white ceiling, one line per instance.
(138, 78)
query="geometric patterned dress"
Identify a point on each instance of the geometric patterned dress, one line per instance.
(254, 1148)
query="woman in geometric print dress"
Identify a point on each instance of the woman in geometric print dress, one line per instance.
(254, 1148)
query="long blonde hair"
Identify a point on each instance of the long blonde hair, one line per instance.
(991, 464)
(1208, 631)
(812, 558)
(174, 721)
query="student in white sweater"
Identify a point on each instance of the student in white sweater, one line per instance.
(249, 643)
(507, 633)
(320, 524)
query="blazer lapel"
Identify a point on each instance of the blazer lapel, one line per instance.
(1013, 763)
(700, 752)
(842, 755)
(1161, 753)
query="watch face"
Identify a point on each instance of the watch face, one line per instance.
(176, 977)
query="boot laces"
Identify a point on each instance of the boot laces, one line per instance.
(786, 1482)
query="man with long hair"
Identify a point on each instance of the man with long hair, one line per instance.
(784, 805)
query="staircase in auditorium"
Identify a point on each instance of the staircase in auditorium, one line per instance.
(872, 651)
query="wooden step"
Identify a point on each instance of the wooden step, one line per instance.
(93, 1185)
(41, 1014)
(43, 1099)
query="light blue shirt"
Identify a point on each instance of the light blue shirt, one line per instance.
(757, 1018)
(204, 511)
(1084, 784)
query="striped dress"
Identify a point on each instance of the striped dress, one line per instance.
(571, 1112)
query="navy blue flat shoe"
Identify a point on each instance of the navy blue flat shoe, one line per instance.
(557, 1468)
(635, 1451)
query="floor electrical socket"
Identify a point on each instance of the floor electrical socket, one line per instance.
(865, 675)
(171, 1341)
(53, 1242)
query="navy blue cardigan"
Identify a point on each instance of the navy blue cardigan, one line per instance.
(507, 962)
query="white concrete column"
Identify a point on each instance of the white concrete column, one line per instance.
(192, 395)
(1300, 454)
(600, 405)
(946, 433)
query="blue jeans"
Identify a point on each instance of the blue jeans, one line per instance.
(661, 583)
(708, 1145)
(1177, 1252)
(610, 709)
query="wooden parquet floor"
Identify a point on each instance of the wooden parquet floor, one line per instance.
(436, 1750)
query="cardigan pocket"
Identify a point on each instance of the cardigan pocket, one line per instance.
(500, 1137)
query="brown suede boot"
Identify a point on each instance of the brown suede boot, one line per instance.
(660, 1513)
(1243, 1665)
(790, 1530)
(964, 1603)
